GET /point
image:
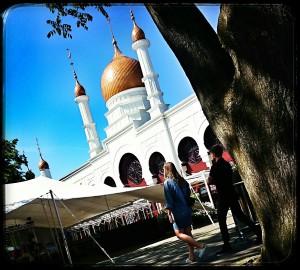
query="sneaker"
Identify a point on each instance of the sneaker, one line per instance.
(188, 260)
(201, 251)
(224, 249)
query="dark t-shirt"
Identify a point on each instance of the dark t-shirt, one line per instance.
(222, 175)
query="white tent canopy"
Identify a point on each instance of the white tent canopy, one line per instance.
(32, 199)
(74, 203)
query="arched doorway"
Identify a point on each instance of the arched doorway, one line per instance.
(131, 171)
(188, 153)
(156, 164)
(110, 181)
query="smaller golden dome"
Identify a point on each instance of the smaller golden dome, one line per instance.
(79, 90)
(137, 33)
(43, 165)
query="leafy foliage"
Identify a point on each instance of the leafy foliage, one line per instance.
(11, 162)
(75, 10)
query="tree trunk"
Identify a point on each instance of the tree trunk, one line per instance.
(244, 80)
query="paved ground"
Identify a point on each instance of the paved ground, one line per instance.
(171, 252)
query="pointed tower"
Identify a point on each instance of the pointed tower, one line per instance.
(150, 79)
(29, 174)
(43, 165)
(88, 124)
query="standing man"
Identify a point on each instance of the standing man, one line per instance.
(221, 176)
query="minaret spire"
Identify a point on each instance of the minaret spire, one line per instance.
(43, 165)
(150, 79)
(88, 124)
(131, 14)
(79, 90)
(39, 148)
(114, 42)
(72, 64)
(110, 29)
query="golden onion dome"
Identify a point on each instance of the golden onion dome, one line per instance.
(43, 165)
(79, 90)
(122, 73)
(137, 33)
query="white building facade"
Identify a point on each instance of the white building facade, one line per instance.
(142, 132)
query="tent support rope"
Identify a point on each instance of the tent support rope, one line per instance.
(88, 232)
(61, 228)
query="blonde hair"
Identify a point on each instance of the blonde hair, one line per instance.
(170, 171)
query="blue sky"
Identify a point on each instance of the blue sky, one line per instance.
(38, 92)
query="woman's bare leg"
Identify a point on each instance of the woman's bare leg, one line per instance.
(188, 231)
(188, 239)
(186, 236)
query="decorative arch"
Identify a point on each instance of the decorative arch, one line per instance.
(156, 164)
(200, 138)
(110, 181)
(188, 153)
(130, 170)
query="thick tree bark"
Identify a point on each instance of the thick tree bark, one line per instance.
(244, 79)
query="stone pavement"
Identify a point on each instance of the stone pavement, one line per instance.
(172, 252)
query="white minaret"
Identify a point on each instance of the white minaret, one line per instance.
(150, 79)
(88, 124)
(43, 165)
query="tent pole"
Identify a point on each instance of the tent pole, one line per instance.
(61, 228)
(55, 240)
(198, 199)
(56, 234)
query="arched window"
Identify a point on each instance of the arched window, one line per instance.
(110, 181)
(131, 171)
(156, 164)
(188, 153)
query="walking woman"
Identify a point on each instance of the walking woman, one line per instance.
(176, 188)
